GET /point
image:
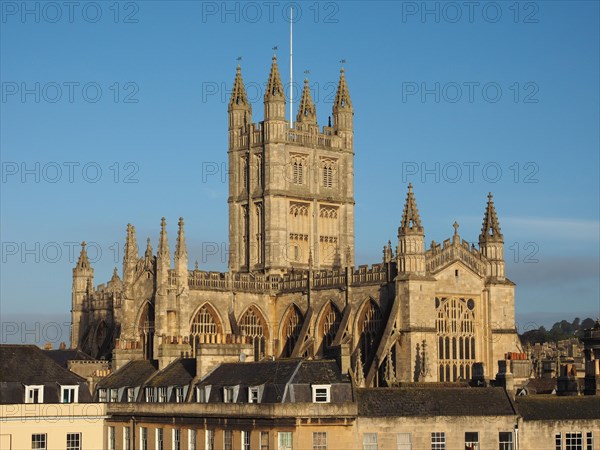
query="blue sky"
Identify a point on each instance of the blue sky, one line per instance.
(116, 112)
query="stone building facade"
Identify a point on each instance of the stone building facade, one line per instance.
(292, 288)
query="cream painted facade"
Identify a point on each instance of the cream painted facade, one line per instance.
(536, 434)
(292, 288)
(55, 422)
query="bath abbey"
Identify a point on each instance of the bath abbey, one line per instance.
(441, 313)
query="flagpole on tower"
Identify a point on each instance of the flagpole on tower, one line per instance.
(291, 69)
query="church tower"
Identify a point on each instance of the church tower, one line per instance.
(291, 189)
(83, 283)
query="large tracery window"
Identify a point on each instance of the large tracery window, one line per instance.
(146, 330)
(369, 327)
(205, 326)
(252, 324)
(291, 330)
(330, 323)
(455, 326)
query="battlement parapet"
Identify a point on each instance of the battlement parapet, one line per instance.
(439, 256)
(254, 135)
(292, 281)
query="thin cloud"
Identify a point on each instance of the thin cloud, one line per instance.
(552, 227)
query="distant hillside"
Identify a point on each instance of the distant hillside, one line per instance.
(559, 331)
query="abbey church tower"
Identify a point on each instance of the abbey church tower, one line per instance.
(291, 189)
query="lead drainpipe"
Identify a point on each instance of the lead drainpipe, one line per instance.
(132, 433)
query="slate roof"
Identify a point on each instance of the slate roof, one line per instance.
(63, 356)
(541, 385)
(28, 364)
(552, 407)
(252, 373)
(319, 372)
(134, 373)
(22, 365)
(179, 373)
(434, 401)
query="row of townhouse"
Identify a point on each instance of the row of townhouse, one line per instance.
(291, 404)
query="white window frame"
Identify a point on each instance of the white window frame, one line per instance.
(370, 441)
(589, 440)
(74, 398)
(162, 394)
(192, 435)
(43, 442)
(126, 438)
(282, 443)
(179, 396)
(227, 393)
(245, 439)
(78, 435)
(160, 445)
(202, 394)
(130, 395)
(143, 438)
(176, 442)
(149, 394)
(111, 438)
(102, 395)
(114, 396)
(320, 447)
(473, 444)
(402, 443)
(251, 391)
(504, 444)
(558, 441)
(438, 440)
(324, 390)
(261, 446)
(227, 433)
(574, 440)
(30, 389)
(209, 440)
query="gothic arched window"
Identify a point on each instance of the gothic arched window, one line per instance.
(291, 330)
(369, 328)
(298, 163)
(328, 171)
(205, 326)
(252, 324)
(455, 325)
(146, 329)
(330, 322)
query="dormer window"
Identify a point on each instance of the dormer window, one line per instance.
(69, 394)
(102, 395)
(179, 394)
(34, 394)
(321, 393)
(162, 395)
(202, 394)
(149, 395)
(228, 395)
(253, 394)
(114, 395)
(131, 395)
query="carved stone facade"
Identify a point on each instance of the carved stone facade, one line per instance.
(292, 289)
